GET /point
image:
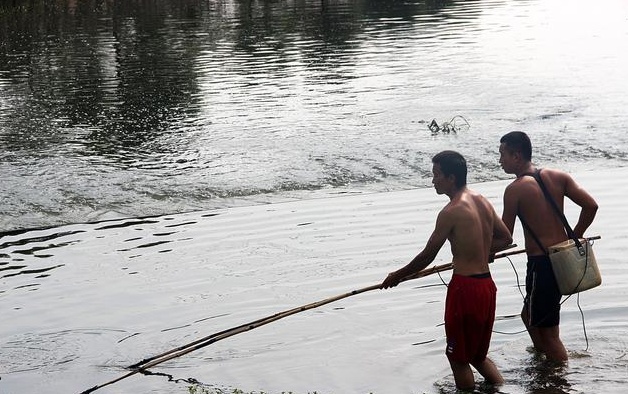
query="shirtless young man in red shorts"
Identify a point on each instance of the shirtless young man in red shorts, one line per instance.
(474, 231)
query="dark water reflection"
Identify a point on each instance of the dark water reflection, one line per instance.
(546, 377)
(123, 73)
(141, 108)
(96, 73)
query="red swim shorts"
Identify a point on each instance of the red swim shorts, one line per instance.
(469, 316)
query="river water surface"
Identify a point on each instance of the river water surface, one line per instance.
(174, 168)
(111, 109)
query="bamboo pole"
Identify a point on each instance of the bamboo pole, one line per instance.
(208, 340)
(150, 362)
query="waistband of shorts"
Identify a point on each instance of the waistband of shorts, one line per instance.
(484, 275)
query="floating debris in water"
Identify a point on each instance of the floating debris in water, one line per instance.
(457, 124)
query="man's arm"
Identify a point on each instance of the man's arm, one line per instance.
(444, 226)
(586, 202)
(510, 209)
(502, 237)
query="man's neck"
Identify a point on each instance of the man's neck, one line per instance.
(527, 168)
(456, 192)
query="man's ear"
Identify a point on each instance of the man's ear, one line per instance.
(517, 156)
(451, 178)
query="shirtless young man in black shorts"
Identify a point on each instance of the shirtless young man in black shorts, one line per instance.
(524, 198)
(472, 227)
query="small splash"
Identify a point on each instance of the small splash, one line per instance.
(578, 355)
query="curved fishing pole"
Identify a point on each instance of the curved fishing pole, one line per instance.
(208, 340)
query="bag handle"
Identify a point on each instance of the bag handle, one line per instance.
(561, 215)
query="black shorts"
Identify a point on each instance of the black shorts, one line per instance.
(542, 299)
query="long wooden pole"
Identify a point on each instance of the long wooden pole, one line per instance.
(208, 340)
(213, 338)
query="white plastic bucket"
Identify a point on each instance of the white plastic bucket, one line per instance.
(574, 272)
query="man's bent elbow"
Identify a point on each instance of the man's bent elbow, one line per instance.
(595, 206)
(591, 210)
(505, 240)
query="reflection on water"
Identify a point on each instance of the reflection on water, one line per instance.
(15, 261)
(543, 376)
(141, 109)
(109, 78)
(28, 258)
(137, 108)
(534, 375)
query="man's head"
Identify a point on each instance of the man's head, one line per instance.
(515, 151)
(449, 166)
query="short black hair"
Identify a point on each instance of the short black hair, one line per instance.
(518, 141)
(452, 163)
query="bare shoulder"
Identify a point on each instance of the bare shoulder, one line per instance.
(454, 208)
(478, 198)
(448, 216)
(519, 185)
(450, 209)
(470, 200)
(555, 174)
(558, 177)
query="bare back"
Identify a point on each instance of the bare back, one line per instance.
(472, 233)
(538, 212)
(525, 198)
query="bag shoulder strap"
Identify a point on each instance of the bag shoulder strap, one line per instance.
(561, 215)
(525, 224)
(536, 239)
